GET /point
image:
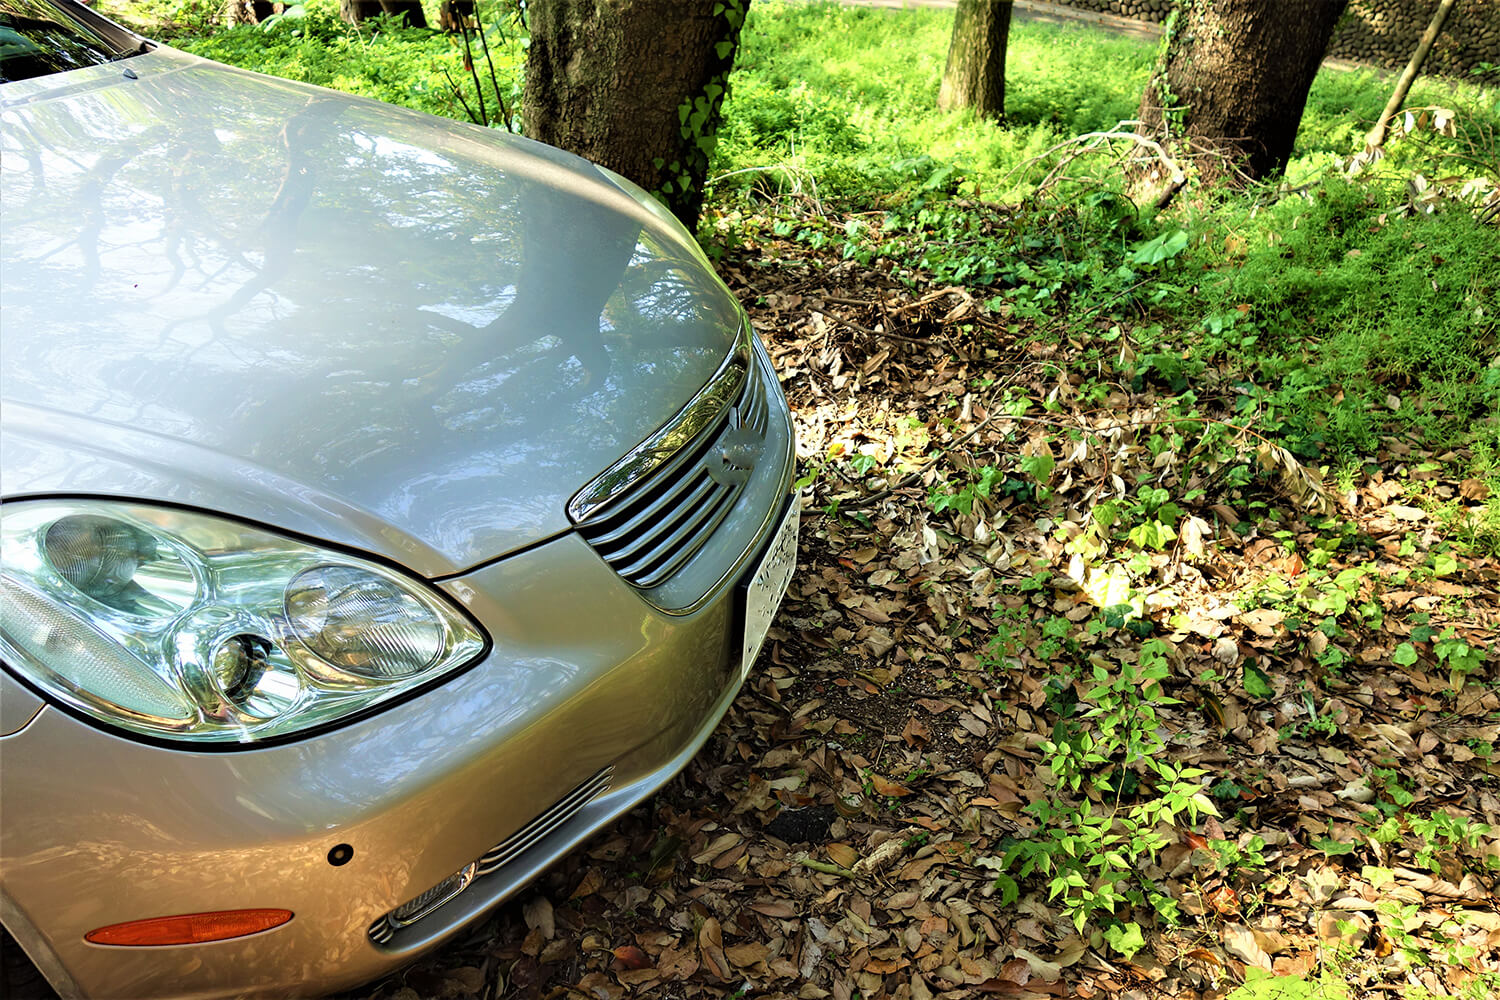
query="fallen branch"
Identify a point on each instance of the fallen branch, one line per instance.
(1376, 136)
(826, 867)
(1092, 141)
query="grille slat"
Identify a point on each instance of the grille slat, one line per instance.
(384, 929)
(705, 521)
(652, 546)
(541, 827)
(636, 521)
(658, 524)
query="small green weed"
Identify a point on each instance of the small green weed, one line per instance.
(1089, 856)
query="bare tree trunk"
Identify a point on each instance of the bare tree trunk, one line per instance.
(975, 73)
(355, 11)
(1232, 83)
(635, 85)
(240, 12)
(1376, 137)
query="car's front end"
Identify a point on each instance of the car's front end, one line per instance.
(387, 507)
(588, 700)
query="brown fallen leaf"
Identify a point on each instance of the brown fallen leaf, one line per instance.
(711, 949)
(537, 912)
(1406, 513)
(638, 979)
(1240, 942)
(592, 882)
(1017, 970)
(628, 956)
(748, 954)
(1040, 967)
(885, 786)
(600, 987)
(915, 732)
(774, 908)
(842, 854)
(1473, 489)
(720, 844)
(1343, 929)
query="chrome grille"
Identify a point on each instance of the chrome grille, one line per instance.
(382, 930)
(655, 525)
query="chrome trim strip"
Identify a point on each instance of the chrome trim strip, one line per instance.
(700, 413)
(384, 929)
(461, 879)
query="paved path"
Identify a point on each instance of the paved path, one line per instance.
(1049, 13)
(1035, 10)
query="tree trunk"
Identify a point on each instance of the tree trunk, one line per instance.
(634, 85)
(355, 11)
(452, 14)
(1376, 136)
(975, 74)
(240, 12)
(1232, 82)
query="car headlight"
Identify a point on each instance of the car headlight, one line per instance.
(188, 627)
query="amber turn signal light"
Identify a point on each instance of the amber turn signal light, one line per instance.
(189, 928)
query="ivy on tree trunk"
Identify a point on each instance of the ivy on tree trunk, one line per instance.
(634, 85)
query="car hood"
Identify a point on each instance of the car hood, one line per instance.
(346, 319)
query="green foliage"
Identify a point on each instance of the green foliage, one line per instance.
(1112, 790)
(962, 499)
(381, 59)
(812, 103)
(1442, 833)
(1262, 985)
(1364, 322)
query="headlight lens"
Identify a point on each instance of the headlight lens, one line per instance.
(189, 627)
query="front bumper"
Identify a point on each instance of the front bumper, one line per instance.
(585, 679)
(100, 829)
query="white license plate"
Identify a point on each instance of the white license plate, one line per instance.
(768, 585)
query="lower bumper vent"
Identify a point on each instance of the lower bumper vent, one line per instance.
(384, 929)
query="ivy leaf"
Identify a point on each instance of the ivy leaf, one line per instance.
(1257, 682)
(1405, 655)
(1125, 938)
(1334, 848)
(1039, 466)
(1159, 250)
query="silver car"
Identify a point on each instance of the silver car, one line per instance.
(388, 505)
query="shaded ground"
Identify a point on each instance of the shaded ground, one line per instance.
(840, 835)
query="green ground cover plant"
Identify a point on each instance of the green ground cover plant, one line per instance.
(381, 59)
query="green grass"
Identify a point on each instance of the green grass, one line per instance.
(844, 99)
(847, 97)
(414, 68)
(1372, 326)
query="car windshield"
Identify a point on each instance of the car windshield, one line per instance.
(38, 38)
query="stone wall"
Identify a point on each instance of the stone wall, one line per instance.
(1381, 32)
